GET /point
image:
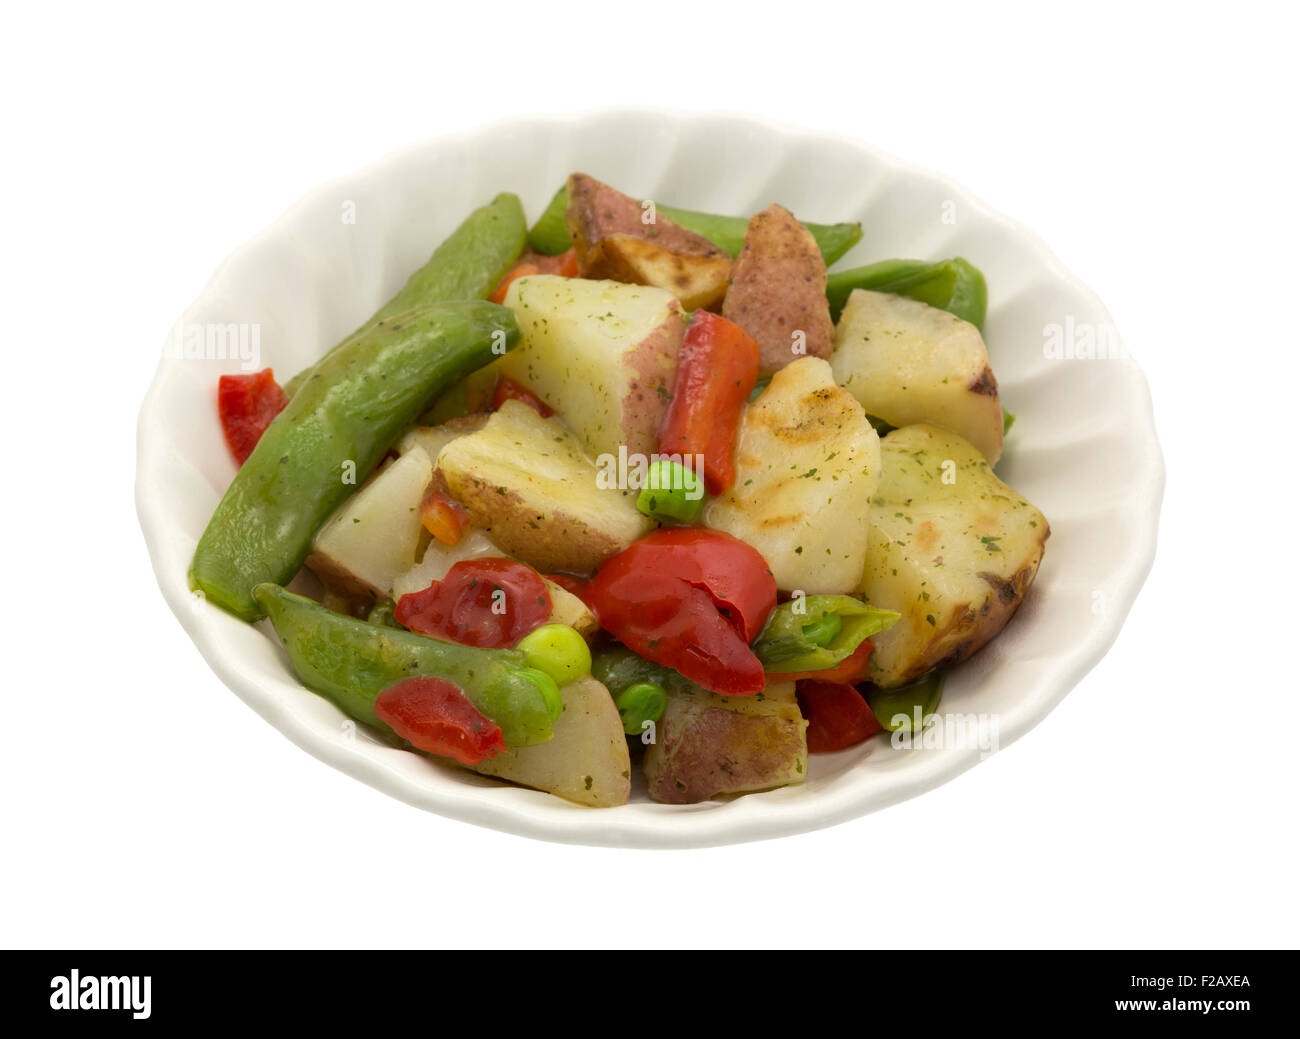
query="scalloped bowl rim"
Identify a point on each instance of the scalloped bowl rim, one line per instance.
(647, 825)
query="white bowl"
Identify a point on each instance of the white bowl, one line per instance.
(1084, 449)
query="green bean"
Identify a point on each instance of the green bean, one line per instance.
(333, 432)
(550, 235)
(468, 265)
(351, 662)
(952, 285)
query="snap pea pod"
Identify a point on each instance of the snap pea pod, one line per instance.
(351, 662)
(618, 668)
(952, 285)
(469, 264)
(900, 708)
(381, 613)
(333, 432)
(816, 632)
(550, 235)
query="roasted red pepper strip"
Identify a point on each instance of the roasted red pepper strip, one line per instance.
(838, 716)
(246, 405)
(436, 716)
(716, 370)
(688, 598)
(508, 389)
(852, 668)
(490, 603)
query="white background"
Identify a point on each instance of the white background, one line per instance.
(1152, 147)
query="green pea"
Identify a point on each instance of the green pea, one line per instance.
(558, 650)
(824, 630)
(549, 690)
(639, 703)
(672, 493)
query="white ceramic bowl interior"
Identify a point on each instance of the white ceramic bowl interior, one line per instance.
(1084, 448)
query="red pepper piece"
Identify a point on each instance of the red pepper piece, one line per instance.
(689, 598)
(734, 574)
(838, 716)
(441, 514)
(508, 389)
(671, 622)
(568, 582)
(565, 265)
(716, 371)
(519, 270)
(246, 405)
(490, 603)
(436, 716)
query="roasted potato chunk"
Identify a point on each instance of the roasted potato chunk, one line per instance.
(586, 761)
(525, 480)
(595, 211)
(807, 464)
(699, 282)
(602, 354)
(906, 362)
(778, 291)
(952, 548)
(706, 745)
(612, 239)
(374, 536)
(432, 439)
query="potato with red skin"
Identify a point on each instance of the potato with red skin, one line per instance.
(526, 482)
(611, 240)
(596, 211)
(707, 745)
(601, 353)
(778, 289)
